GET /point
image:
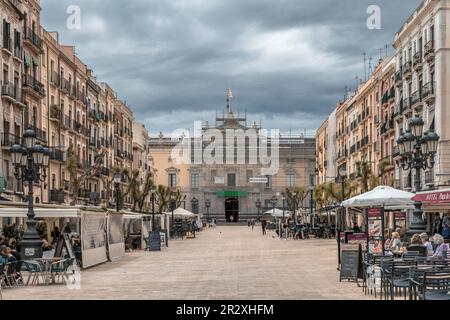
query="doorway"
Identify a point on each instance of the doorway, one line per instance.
(232, 210)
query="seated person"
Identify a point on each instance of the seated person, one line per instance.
(441, 247)
(396, 243)
(417, 246)
(426, 243)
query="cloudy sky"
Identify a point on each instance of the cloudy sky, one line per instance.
(287, 61)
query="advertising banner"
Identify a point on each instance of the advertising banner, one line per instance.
(93, 238)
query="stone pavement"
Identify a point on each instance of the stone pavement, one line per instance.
(230, 262)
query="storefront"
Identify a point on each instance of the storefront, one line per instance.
(434, 203)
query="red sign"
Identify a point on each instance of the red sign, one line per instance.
(374, 213)
(399, 215)
(356, 237)
(438, 197)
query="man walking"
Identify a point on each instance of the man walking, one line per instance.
(252, 223)
(263, 226)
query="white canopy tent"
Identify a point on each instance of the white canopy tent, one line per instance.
(40, 212)
(382, 196)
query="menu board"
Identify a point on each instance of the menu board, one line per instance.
(154, 241)
(350, 262)
(374, 226)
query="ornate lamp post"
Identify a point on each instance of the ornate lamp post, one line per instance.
(153, 192)
(173, 205)
(194, 204)
(294, 205)
(207, 205)
(258, 207)
(117, 181)
(30, 162)
(342, 176)
(418, 150)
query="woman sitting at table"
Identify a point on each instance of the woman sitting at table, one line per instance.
(441, 247)
(426, 243)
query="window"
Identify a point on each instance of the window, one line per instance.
(269, 182)
(231, 180)
(195, 180)
(290, 180)
(172, 180)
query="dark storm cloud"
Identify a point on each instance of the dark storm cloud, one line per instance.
(287, 61)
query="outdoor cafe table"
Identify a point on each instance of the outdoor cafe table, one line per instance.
(46, 267)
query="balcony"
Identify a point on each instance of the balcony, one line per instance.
(407, 72)
(392, 94)
(353, 149)
(56, 154)
(18, 53)
(104, 171)
(417, 61)
(385, 98)
(406, 105)
(57, 196)
(353, 125)
(7, 45)
(429, 51)
(55, 113)
(416, 100)
(395, 152)
(8, 140)
(40, 134)
(11, 92)
(399, 78)
(66, 86)
(31, 37)
(428, 93)
(398, 109)
(68, 123)
(55, 79)
(33, 86)
(119, 154)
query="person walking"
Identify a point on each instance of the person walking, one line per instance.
(253, 223)
(263, 226)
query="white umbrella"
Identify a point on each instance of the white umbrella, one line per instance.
(277, 213)
(381, 196)
(181, 213)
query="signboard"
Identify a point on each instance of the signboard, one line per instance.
(263, 180)
(351, 267)
(64, 243)
(93, 238)
(219, 180)
(154, 241)
(167, 236)
(374, 226)
(357, 237)
(437, 197)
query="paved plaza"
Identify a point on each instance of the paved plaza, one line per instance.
(229, 262)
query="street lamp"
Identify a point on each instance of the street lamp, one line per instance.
(173, 205)
(207, 205)
(153, 192)
(30, 162)
(258, 206)
(117, 181)
(342, 175)
(417, 150)
(194, 204)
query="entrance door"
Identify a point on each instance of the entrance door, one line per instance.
(232, 209)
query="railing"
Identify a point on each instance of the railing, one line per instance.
(68, 123)
(18, 52)
(31, 82)
(407, 68)
(33, 37)
(428, 89)
(9, 183)
(398, 108)
(395, 151)
(8, 140)
(415, 98)
(66, 86)
(353, 149)
(56, 154)
(417, 58)
(7, 43)
(57, 196)
(104, 171)
(10, 90)
(66, 185)
(429, 48)
(55, 113)
(55, 78)
(406, 104)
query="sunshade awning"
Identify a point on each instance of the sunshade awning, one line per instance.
(382, 196)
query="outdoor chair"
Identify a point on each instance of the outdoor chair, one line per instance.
(398, 279)
(410, 256)
(373, 273)
(35, 271)
(433, 285)
(3, 276)
(13, 276)
(60, 269)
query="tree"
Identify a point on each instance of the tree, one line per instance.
(164, 197)
(73, 165)
(295, 197)
(138, 192)
(364, 173)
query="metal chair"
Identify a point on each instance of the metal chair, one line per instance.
(60, 269)
(434, 285)
(35, 271)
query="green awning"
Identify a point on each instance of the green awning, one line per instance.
(232, 194)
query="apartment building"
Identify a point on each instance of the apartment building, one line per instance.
(12, 101)
(422, 62)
